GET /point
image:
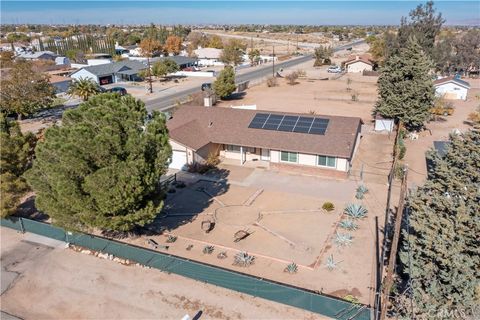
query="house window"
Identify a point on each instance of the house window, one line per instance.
(236, 149)
(232, 148)
(286, 156)
(325, 161)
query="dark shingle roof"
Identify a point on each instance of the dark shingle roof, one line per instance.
(195, 127)
(114, 67)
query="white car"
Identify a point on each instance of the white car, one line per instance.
(334, 69)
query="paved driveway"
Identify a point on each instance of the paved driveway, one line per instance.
(325, 188)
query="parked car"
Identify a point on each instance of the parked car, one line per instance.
(334, 69)
(120, 90)
(206, 86)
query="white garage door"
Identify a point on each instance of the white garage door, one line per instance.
(179, 159)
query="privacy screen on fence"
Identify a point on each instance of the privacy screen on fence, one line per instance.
(297, 297)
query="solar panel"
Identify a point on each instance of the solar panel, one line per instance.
(277, 122)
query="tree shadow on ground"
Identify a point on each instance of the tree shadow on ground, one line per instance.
(28, 210)
(185, 204)
(235, 96)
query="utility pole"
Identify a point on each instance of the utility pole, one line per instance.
(273, 60)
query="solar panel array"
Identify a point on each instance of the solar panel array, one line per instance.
(277, 122)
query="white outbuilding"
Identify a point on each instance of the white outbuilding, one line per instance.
(452, 88)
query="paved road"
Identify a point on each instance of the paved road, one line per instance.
(166, 102)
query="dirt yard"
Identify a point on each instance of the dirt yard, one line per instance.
(40, 282)
(440, 131)
(285, 222)
(310, 94)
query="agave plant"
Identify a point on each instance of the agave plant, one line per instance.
(343, 239)
(348, 224)
(355, 211)
(291, 268)
(208, 249)
(222, 255)
(361, 190)
(331, 264)
(171, 239)
(243, 259)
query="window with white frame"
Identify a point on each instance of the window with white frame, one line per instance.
(286, 156)
(236, 149)
(325, 161)
(232, 148)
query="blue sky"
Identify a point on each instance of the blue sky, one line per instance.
(228, 12)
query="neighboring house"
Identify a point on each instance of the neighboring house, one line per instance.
(111, 72)
(208, 57)
(183, 62)
(39, 55)
(451, 88)
(60, 83)
(359, 63)
(62, 61)
(312, 144)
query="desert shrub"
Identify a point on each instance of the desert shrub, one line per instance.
(189, 247)
(328, 206)
(243, 259)
(222, 255)
(355, 96)
(212, 160)
(301, 73)
(331, 264)
(355, 211)
(171, 239)
(361, 190)
(348, 224)
(208, 249)
(291, 268)
(272, 82)
(343, 239)
(399, 171)
(351, 298)
(292, 78)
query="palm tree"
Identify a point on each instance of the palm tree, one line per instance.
(84, 88)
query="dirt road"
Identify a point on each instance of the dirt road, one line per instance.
(41, 282)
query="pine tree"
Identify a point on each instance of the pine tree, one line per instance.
(102, 167)
(225, 83)
(441, 252)
(405, 87)
(15, 158)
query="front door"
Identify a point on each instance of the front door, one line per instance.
(265, 154)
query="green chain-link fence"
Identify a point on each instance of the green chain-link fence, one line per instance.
(297, 297)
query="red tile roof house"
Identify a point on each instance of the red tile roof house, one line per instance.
(311, 144)
(360, 63)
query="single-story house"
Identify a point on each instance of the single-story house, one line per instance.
(360, 63)
(60, 83)
(183, 62)
(312, 144)
(39, 55)
(125, 70)
(209, 57)
(451, 88)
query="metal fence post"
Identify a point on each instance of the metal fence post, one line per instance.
(21, 225)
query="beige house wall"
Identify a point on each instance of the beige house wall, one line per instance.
(359, 66)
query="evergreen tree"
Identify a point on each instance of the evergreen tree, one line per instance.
(102, 167)
(225, 83)
(15, 158)
(424, 24)
(440, 249)
(405, 87)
